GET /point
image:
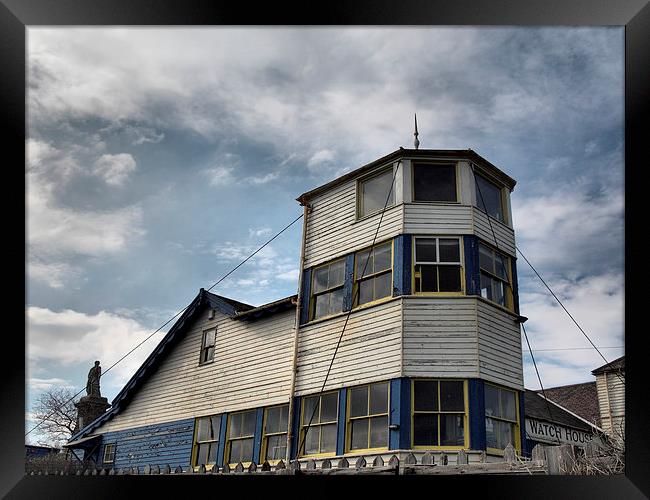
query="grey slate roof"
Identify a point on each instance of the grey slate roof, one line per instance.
(536, 407)
(581, 399)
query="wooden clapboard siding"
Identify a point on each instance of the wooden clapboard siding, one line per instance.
(429, 218)
(440, 337)
(499, 341)
(369, 351)
(611, 401)
(333, 229)
(159, 444)
(505, 236)
(251, 368)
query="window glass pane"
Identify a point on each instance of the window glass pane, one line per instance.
(208, 338)
(358, 401)
(234, 427)
(491, 432)
(360, 260)
(284, 419)
(378, 432)
(425, 250)
(321, 305)
(235, 451)
(203, 430)
(374, 192)
(501, 266)
(498, 294)
(486, 287)
(336, 301)
(311, 440)
(328, 438)
(311, 406)
(505, 434)
(215, 424)
(488, 197)
(486, 258)
(509, 405)
(492, 401)
(329, 407)
(359, 434)
(366, 291)
(449, 250)
(202, 454)
(452, 396)
(248, 427)
(209, 353)
(449, 277)
(425, 429)
(272, 420)
(452, 432)
(425, 395)
(320, 279)
(383, 285)
(379, 398)
(428, 278)
(382, 257)
(434, 182)
(337, 274)
(247, 450)
(276, 447)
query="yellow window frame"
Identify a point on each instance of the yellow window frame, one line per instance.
(462, 267)
(313, 295)
(349, 419)
(266, 435)
(509, 294)
(517, 424)
(195, 442)
(301, 434)
(380, 171)
(436, 163)
(229, 440)
(465, 414)
(356, 280)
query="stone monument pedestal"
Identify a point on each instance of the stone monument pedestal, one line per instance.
(88, 409)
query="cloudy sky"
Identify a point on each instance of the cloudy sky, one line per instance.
(159, 158)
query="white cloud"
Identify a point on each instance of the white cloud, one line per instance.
(114, 169)
(256, 233)
(53, 274)
(220, 176)
(320, 157)
(43, 384)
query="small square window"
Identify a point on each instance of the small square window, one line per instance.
(433, 182)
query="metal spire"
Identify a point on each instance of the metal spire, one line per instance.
(416, 141)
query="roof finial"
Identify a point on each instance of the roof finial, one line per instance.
(416, 141)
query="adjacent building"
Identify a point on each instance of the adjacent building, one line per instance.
(414, 255)
(610, 383)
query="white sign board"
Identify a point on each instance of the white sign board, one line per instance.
(545, 432)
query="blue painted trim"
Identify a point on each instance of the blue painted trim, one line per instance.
(525, 450)
(407, 263)
(349, 282)
(257, 441)
(398, 265)
(340, 428)
(395, 415)
(295, 426)
(472, 270)
(476, 397)
(221, 450)
(515, 284)
(405, 413)
(305, 292)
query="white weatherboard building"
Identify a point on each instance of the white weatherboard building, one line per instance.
(430, 359)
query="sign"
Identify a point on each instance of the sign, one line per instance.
(545, 432)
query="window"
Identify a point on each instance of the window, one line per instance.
(437, 265)
(276, 425)
(501, 422)
(495, 278)
(206, 440)
(327, 289)
(241, 434)
(377, 280)
(207, 346)
(109, 453)
(320, 436)
(439, 413)
(488, 198)
(374, 191)
(368, 417)
(432, 182)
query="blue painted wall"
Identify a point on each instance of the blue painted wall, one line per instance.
(340, 428)
(472, 270)
(305, 292)
(402, 265)
(257, 441)
(525, 447)
(405, 413)
(295, 427)
(349, 282)
(222, 440)
(515, 285)
(476, 396)
(161, 444)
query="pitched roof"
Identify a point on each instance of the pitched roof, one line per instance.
(536, 407)
(204, 299)
(267, 309)
(612, 366)
(581, 399)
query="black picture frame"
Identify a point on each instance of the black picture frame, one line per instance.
(16, 15)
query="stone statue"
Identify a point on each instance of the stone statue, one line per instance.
(92, 386)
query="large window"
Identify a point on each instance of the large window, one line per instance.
(207, 345)
(320, 435)
(206, 440)
(327, 289)
(241, 434)
(434, 182)
(501, 422)
(109, 453)
(439, 413)
(276, 425)
(368, 417)
(437, 266)
(495, 277)
(377, 280)
(374, 191)
(489, 198)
